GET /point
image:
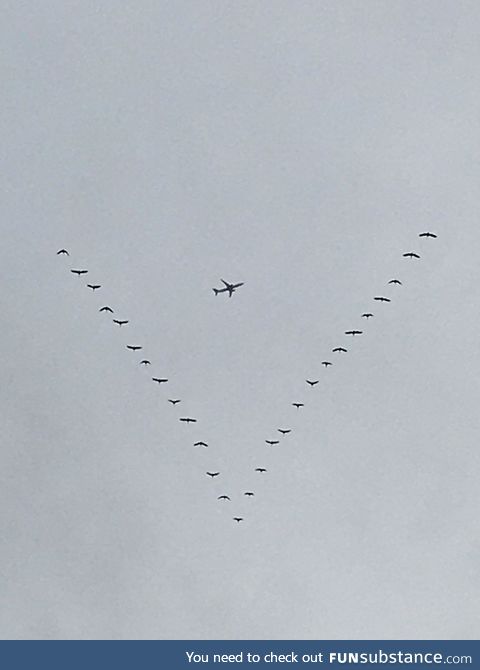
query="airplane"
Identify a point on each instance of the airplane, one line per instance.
(174, 402)
(427, 235)
(284, 431)
(120, 323)
(212, 474)
(79, 272)
(354, 332)
(272, 442)
(145, 362)
(298, 404)
(411, 254)
(94, 286)
(223, 498)
(340, 349)
(231, 288)
(160, 380)
(395, 281)
(238, 518)
(187, 419)
(106, 309)
(62, 251)
(133, 347)
(200, 444)
(326, 363)
(367, 315)
(260, 469)
(249, 493)
(382, 299)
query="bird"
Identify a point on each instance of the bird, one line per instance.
(284, 431)
(272, 442)
(120, 323)
(311, 383)
(223, 498)
(106, 309)
(427, 235)
(354, 332)
(249, 493)
(213, 474)
(340, 349)
(133, 347)
(200, 444)
(238, 518)
(145, 362)
(174, 402)
(94, 287)
(187, 419)
(367, 315)
(380, 298)
(160, 380)
(63, 251)
(298, 404)
(260, 470)
(411, 254)
(326, 363)
(395, 281)
(79, 272)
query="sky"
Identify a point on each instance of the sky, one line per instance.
(299, 148)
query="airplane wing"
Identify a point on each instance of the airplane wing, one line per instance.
(226, 284)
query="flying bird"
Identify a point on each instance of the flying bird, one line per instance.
(231, 288)
(106, 309)
(94, 286)
(354, 332)
(200, 444)
(120, 323)
(326, 363)
(260, 469)
(395, 281)
(367, 315)
(272, 442)
(298, 404)
(62, 251)
(284, 431)
(380, 298)
(427, 235)
(340, 349)
(145, 362)
(411, 254)
(311, 383)
(79, 272)
(161, 380)
(213, 474)
(133, 347)
(174, 402)
(223, 498)
(187, 419)
(249, 493)
(238, 518)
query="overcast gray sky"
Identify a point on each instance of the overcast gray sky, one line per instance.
(299, 147)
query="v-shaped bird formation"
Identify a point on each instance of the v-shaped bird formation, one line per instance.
(297, 404)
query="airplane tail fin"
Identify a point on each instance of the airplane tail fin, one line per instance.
(216, 291)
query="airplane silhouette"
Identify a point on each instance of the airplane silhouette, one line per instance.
(427, 235)
(79, 272)
(187, 419)
(231, 288)
(311, 383)
(145, 362)
(272, 442)
(200, 444)
(133, 347)
(238, 518)
(382, 299)
(326, 363)
(249, 493)
(223, 498)
(174, 402)
(120, 323)
(62, 251)
(367, 315)
(284, 431)
(160, 380)
(94, 286)
(213, 474)
(106, 309)
(395, 281)
(411, 254)
(260, 469)
(340, 349)
(298, 404)
(354, 332)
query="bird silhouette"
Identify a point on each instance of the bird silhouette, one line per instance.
(326, 363)
(284, 431)
(411, 254)
(200, 444)
(311, 383)
(260, 470)
(340, 349)
(106, 309)
(427, 235)
(354, 332)
(213, 474)
(120, 323)
(94, 287)
(160, 380)
(174, 402)
(272, 442)
(79, 272)
(380, 298)
(249, 493)
(133, 347)
(62, 251)
(395, 281)
(238, 518)
(367, 315)
(298, 404)
(145, 362)
(223, 498)
(187, 419)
